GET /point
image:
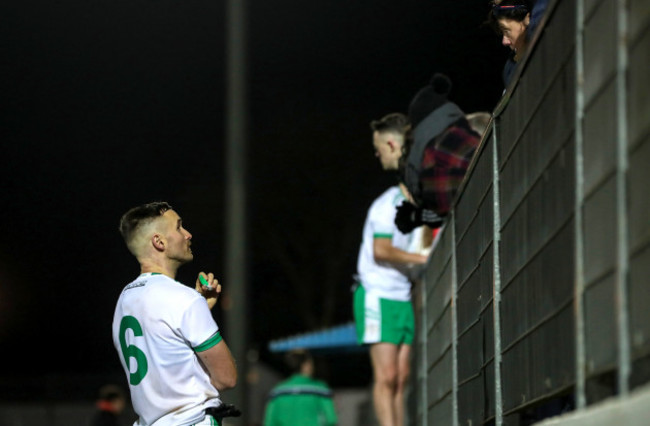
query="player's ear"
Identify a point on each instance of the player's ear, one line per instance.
(158, 242)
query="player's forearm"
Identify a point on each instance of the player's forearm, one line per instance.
(222, 385)
(220, 365)
(226, 378)
(227, 374)
(394, 255)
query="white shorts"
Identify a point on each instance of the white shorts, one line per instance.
(208, 421)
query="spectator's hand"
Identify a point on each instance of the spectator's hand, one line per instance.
(209, 287)
(409, 217)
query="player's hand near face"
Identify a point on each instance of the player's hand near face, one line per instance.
(209, 287)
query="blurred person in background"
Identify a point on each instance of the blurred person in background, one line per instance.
(301, 399)
(110, 405)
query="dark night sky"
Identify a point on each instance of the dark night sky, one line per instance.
(108, 104)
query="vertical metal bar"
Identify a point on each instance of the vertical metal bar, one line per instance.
(422, 367)
(579, 277)
(454, 320)
(235, 231)
(622, 270)
(496, 285)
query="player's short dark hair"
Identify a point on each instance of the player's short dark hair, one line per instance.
(136, 216)
(394, 122)
(296, 358)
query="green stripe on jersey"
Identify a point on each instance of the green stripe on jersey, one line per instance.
(380, 235)
(213, 340)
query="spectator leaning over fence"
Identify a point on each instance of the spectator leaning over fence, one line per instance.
(436, 155)
(301, 399)
(382, 297)
(171, 349)
(516, 21)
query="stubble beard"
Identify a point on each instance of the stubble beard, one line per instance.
(187, 257)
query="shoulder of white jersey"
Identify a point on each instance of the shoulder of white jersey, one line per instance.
(173, 288)
(391, 197)
(387, 194)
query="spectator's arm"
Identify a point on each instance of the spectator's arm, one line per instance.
(330, 413)
(270, 414)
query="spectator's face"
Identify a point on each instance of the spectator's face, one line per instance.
(514, 33)
(388, 148)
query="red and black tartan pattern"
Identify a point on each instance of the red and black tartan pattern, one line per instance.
(444, 164)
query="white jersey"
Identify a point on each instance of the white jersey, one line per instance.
(383, 279)
(157, 326)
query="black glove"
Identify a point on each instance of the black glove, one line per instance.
(224, 410)
(409, 217)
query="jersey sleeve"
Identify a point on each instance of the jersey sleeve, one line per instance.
(198, 327)
(382, 219)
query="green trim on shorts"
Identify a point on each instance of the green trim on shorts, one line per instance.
(395, 319)
(358, 311)
(382, 235)
(212, 341)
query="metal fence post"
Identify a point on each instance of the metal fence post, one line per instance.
(496, 285)
(235, 256)
(454, 320)
(622, 270)
(578, 216)
(422, 367)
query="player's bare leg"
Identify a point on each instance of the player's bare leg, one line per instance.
(403, 371)
(384, 364)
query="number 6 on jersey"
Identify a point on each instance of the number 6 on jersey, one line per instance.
(132, 351)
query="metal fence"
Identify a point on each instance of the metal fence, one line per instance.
(536, 298)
